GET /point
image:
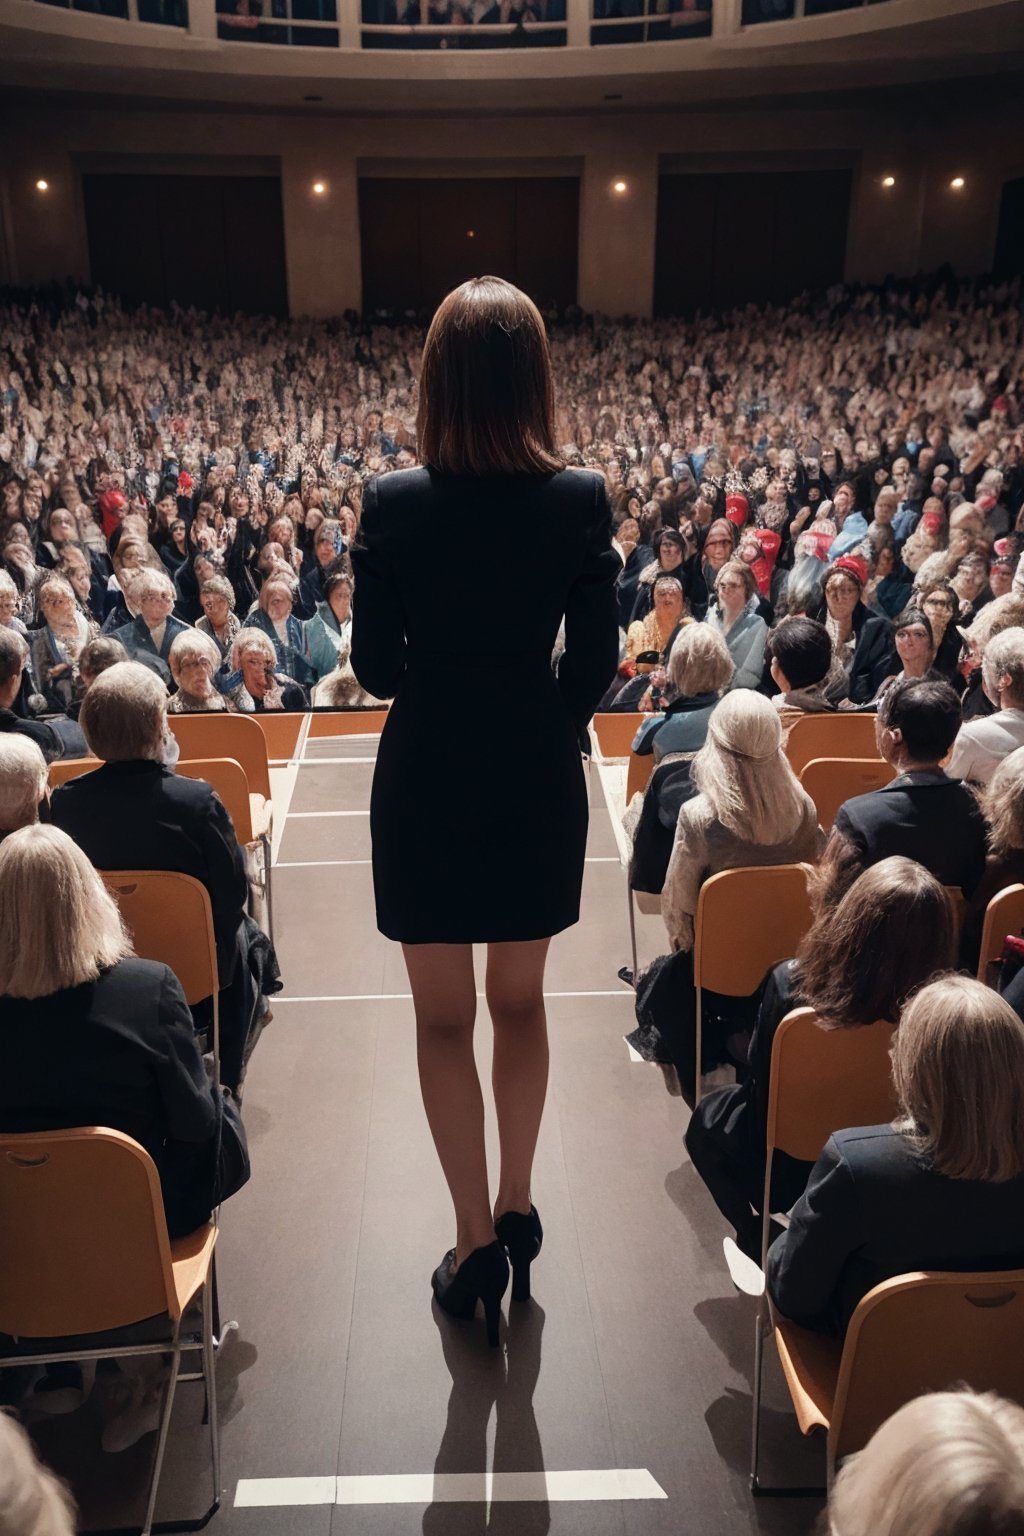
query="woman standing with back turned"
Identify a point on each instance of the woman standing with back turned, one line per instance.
(479, 820)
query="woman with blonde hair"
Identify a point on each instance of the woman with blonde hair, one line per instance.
(941, 1188)
(749, 809)
(945, 1464)
(194, 659)
(1003, 804)
(275, 618)
(734, 613)
(32, 1501)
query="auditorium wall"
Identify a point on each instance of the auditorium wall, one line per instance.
(917, 225)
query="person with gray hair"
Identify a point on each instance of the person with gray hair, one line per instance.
(149, 637)
(981, 744)
(23, 783)
(133, 813)
(13, 688)
(699, 671)
(194, 661)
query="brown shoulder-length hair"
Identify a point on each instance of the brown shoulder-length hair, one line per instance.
(487, 400)
(890, 933)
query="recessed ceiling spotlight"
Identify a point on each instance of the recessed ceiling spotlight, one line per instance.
(470, 234)
(888, 181)
(957, 183)
(619, 187)
(319, 187)
(312, 98)
(42, 186)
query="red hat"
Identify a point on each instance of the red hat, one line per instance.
(110, 504)
(737, 508)
(1001, 404)
(931, 522)
(852, 565)
(764, 565)
(985, 503)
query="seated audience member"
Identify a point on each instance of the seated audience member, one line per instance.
(946, 1464)
(939, 604)
(10, 604)
(194, 660)
(734, 613)
(923, 814)
(328, 634)
(915, 647)
(219, 620)
(636, 557)
(262, 687)
(942, 1188)
(655, 631)
(96, 656)
(897, 914)
(328, 554)
(699, 667)
(275, 619)
(23, 783)
(32, 1501)
(13, 659)
(56, 647)
(341, 689)
(982, 744)
(111, 1037)
(148, 639)
(863, 650)
(1003, 804)
(699, 670)
(133, 813)
(1001, 614)
(749, 810)
(800, 657)
(669, 550)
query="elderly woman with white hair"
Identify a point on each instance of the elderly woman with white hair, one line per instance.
(23, 783)
(942, 1188)
(55, 648)
(149, 637)
(219, 619)
(982, 743)
(194, 660)
(275, 619)
(262, 687)
(699, 670)
(749, 810)
(133, 813)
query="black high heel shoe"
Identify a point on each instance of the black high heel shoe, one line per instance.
(522, 1237)
(482, 1275)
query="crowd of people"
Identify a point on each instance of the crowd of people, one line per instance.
(817, 508)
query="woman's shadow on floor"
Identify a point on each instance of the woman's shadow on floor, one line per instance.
(504, 1379)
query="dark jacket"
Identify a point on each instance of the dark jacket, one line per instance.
(138, 642)
(924, 816)
(874, 654)
(292, 659)
(44, 736)
(626, 585)
(873, 1208)
(121, 1052)
(137, 815)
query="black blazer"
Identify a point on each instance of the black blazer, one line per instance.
(924, 816)
(137, 815)
(874, 655)
(119, 1051)
(874, 1209)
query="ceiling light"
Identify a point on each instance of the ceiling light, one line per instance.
(42, 186)
(957, 183)
(619, 187)
(470, 234)
(319, 187)
(888, 181)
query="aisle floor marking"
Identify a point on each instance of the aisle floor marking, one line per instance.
(612, 1483)
(390, 997)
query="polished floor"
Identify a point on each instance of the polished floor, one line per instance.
(619, 1404)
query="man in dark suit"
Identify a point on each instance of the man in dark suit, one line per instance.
(923, 814)
(149, 637)
(133, 813)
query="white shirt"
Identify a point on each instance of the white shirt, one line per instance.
(981, 745)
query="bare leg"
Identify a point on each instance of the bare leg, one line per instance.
(444, 996)
(515, 997)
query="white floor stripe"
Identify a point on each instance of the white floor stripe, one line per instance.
(315, 762)
(613, 1483)
(391, 997)
(307, 815)
(335, 863)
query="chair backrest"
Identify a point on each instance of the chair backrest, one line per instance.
(747, 921)
(347, 722)
(170, 919)
(226, 735)
(924, 1333)
(1004, 914)
(71, 768)
(832, 780)
(228, 778)
(842, 734)
(823, 1080)
(280, 730)
(638, 776)
(615, 732)
(82, 1225)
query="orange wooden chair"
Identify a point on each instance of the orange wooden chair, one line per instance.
(170, 919)
(251, 817)
(71, 768)
(347, 722)
(280, 730)
(913, 1334)
(830, 781)
(747, 921)
(638, 776)
(1004, 914)
(842, 734)
(614, 733)
(83, 1213)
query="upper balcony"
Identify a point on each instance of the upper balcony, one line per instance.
(496, 55)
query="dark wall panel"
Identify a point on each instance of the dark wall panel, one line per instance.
(1009, 258)
(735, 238)
(422, 237)
(213, 241)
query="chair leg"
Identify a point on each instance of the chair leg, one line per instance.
(161, 1444)
(698, 1033)
(632, 925)
(268, 884)
(210, 1375)
(755, 1426)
